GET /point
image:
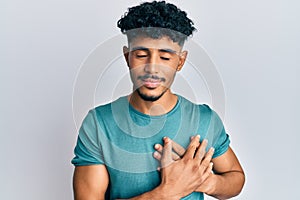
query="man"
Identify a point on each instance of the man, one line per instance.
(116, 141)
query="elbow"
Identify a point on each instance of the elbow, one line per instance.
(240, 185)
(242, 182)
(236, 189)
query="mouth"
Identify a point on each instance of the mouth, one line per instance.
(151, 83)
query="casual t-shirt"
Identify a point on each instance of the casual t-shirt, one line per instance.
(122, 138)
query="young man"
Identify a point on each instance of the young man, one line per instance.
(114, 151)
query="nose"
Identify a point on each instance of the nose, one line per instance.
(152, 66)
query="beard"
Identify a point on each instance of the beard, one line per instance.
(150, 98)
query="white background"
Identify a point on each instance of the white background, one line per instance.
(254, 44)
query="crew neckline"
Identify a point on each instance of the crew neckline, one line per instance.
(174, 109)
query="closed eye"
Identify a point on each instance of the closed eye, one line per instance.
(141, 56)
(165, 58)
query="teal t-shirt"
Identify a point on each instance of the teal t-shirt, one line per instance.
(122, 138)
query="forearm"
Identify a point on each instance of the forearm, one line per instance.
(160, 192)
(226, 185)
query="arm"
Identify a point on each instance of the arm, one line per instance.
(157, 193)
(179, 178)
(228, 178)
(90, 182)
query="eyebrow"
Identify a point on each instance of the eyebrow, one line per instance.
(147, 49)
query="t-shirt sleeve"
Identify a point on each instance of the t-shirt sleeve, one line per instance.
(88, 149)
(216, 134)
(222, 144)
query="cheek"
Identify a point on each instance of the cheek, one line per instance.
(168, 71)
(130, 61)
(135, 72)
(169, 75)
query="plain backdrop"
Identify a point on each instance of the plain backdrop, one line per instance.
(254, 44)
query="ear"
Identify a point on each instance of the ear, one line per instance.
(182, 58)
(126, 54)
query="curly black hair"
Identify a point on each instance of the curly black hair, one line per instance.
(164, 19)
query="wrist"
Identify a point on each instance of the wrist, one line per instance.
(214, 179)
(167, 192)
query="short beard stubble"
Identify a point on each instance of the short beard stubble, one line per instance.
(149, 98)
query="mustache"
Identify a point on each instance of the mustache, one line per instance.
(149, 76)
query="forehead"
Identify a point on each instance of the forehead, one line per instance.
(150, 43)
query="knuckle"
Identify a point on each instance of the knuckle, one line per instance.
(201, 154)
(192, 146)
(185, 160)
(205, 162)
(195, 168)
(188, 161)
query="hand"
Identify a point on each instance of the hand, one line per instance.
(183, 176)
(177, 153)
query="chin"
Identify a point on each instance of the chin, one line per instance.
(150, 97)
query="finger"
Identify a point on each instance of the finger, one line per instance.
(175, 156)
(191, 138)
(178, 149)
(157, 155)
(208, 171)
(209, 168)
(166, 158)
(200, 153)
(209, 154)
(190, 152)
(207, 159)
(158, 147)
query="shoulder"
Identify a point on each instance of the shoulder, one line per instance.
(203, 108)
(107, 112)
(205, 112)
(107, 108)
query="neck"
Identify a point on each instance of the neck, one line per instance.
(159, 107)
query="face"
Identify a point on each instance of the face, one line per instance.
(153, 64)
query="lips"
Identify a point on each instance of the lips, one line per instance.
(151, 83)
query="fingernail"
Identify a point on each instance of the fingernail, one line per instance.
(198, 136)
(156, 146)
(155, 154)
(212, 149)
(166, 139)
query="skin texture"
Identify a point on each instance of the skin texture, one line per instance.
(152, 69)
(227, 178)
(90, 182)
(147, 56)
